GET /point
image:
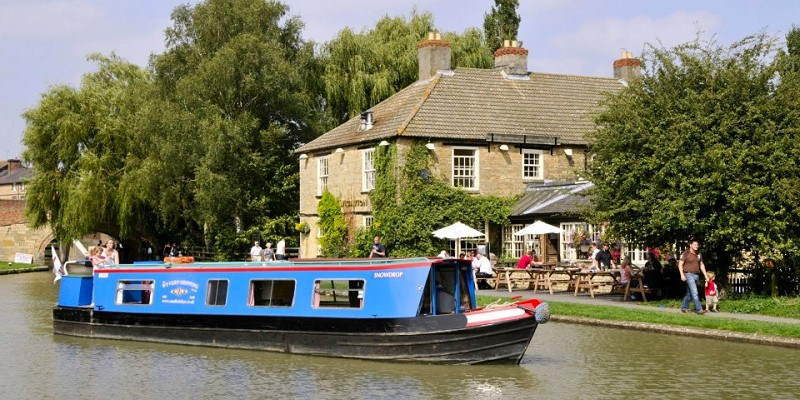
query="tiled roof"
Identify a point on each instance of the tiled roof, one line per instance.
(473, 104)
(20, 174)
(552, 199)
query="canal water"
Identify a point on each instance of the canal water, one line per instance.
(564, 361)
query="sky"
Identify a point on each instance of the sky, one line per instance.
(45, 43)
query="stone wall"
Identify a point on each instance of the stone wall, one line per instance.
(17, 237)
(500, 174)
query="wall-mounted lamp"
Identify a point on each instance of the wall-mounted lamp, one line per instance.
(383, 143)
(504, 147)
(339, 150)
(303, 156)
(568, 152)
(430, 146)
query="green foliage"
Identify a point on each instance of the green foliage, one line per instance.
(703, 146)
(409, 203)
(501, 23)
(78, 141)
(191, 149)
(362, 243)
(333, 242)
(363, 69)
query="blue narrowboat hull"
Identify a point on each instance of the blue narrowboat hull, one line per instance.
(391, 313)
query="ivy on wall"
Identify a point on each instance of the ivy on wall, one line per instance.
(409, 202)
(333, 241)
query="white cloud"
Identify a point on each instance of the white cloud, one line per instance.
(614, 34)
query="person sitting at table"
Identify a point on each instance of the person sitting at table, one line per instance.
(652, 271)
(483, 270)
(526, 260)
(626, 271)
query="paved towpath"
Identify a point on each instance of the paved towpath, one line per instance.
(616, 300)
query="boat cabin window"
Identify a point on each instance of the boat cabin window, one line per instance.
(135, 292)
(271, 293)
(338, 293)
(217, 292)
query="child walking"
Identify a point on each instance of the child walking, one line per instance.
(712, 294)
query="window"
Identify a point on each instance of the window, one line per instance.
(217, 292)
(575, 239)
(368, 220)
(513, 245)
(271, 293)
(465, 168)
(332, 293)
(368, 170)
(322, 175)
(135, 292)
(532, 167)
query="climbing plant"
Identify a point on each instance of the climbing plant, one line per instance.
(331, 220)
(409, 203)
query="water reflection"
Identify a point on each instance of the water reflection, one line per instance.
(563, 361)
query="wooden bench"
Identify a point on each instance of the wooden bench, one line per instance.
(641, 288)
(583, 281)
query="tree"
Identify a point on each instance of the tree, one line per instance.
(78, 142)
(702, 146)
(363, 69)
(236, 78)
(501, 23)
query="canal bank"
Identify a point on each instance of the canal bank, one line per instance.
(616, 301)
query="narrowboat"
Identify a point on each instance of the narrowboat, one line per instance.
(408, 310)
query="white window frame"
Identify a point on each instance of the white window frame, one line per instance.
(568, 230)
(322, 174)
(368, 220)
(539, 168)
(475, 168)
(368, 173)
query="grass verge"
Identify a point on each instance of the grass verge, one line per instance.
(644, 315)
(8, 265)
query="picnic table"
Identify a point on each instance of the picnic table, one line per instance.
(525, 277)
(584, 279)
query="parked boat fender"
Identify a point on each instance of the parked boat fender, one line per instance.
(540, 309)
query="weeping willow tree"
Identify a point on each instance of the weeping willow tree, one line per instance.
(78, 141)
(363, 69)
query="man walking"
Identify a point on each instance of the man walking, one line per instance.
(690, 266)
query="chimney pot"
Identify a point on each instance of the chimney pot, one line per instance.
(513, 60)
(514, 43)
(627, 68)
(433, 55)
(506, 43)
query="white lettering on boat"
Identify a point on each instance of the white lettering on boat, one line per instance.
(182, 282)
(388, 274)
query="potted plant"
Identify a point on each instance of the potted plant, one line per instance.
(303, 227)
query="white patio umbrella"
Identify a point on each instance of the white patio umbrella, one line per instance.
(457, 232)
(538, 228)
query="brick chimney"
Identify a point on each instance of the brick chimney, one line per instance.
(434, 55)
(511, 58)
(13, 165)
(627, 67)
